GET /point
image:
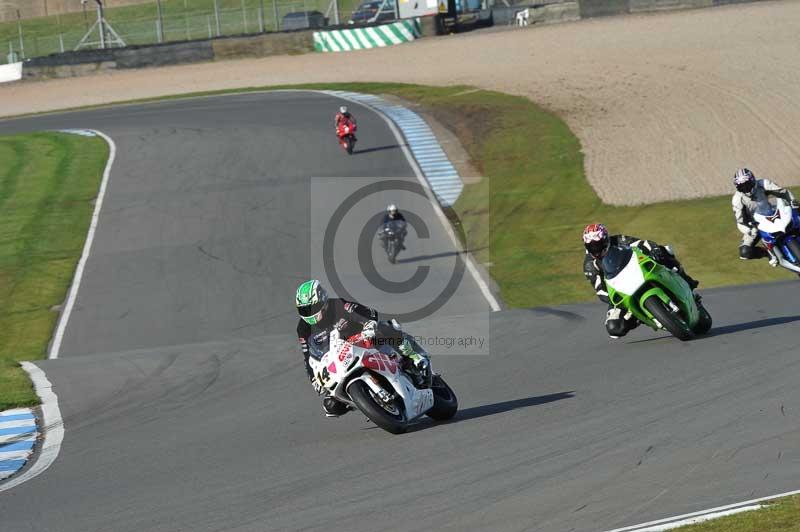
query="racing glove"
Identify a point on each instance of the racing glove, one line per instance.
(369, 330)
(317, 385)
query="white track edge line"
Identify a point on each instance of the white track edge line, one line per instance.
(710, 511)
(52, 428)
(473, 270)
(699, 519)
(87, 246)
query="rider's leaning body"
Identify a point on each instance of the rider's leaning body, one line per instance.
(749, 193)
(320, 315)
(597, 242)
(343, 114)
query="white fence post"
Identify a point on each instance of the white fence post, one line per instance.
(216, 14)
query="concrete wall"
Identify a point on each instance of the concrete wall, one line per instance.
(599, 8)
(90, 61)
(286, 43)
(551, 12)
(41, 8)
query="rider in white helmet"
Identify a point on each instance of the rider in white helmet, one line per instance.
(749, 191)
(343, 114)
(393, 214)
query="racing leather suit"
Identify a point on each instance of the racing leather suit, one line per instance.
(388, 218)
(744, 206)
(343, 116)
(618, 324)
(349, 318)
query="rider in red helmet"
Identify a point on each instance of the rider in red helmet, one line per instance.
(597, 241)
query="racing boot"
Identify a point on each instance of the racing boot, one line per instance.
(334, 408)
(773, 258)
(419, 362)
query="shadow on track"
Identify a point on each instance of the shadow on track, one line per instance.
(729, 329)
(377, 148)
(749, 325)
(476, 412)
(506, 406)
(442, 255)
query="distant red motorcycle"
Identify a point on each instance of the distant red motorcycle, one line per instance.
(346, 132)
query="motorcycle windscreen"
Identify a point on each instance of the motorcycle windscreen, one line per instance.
(771, 218)
(615, 260)
(765, 208)
(395, 227)
(624, 273)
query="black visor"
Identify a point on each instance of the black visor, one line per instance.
(597, 247)
(309, 310)
(745, 187)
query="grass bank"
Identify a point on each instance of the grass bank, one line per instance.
(782, 515)
(47, 184)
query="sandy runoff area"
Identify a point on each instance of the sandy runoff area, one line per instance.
(666, 105)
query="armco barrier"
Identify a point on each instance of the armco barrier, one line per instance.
(346, 40)
(599, 8)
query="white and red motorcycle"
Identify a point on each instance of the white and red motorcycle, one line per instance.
(359, 374)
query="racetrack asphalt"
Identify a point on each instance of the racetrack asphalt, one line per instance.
(186, 406)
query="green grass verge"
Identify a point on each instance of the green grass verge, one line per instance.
(183, 20)
(47, 184)
(782, 515)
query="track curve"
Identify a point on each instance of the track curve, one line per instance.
(187, 407)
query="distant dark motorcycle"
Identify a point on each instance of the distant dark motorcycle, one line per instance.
(392, 235)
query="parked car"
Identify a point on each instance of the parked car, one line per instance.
(373, 11)
(301, 20)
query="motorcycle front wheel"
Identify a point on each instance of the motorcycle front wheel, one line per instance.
(445, 402)
(672, 322)
(389, 418)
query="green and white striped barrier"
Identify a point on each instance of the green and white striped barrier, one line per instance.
(370, 37)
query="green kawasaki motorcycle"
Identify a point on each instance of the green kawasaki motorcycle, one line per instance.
(654, 294)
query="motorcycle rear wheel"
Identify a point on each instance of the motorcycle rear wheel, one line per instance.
(673, 323)
(445, 402)
(362, 396)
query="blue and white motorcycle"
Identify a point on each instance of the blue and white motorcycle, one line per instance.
(779, 228)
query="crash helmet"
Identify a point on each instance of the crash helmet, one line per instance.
(596, 240)
(311, 301)
(343, 109)
(391, 210)
(744, 180)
